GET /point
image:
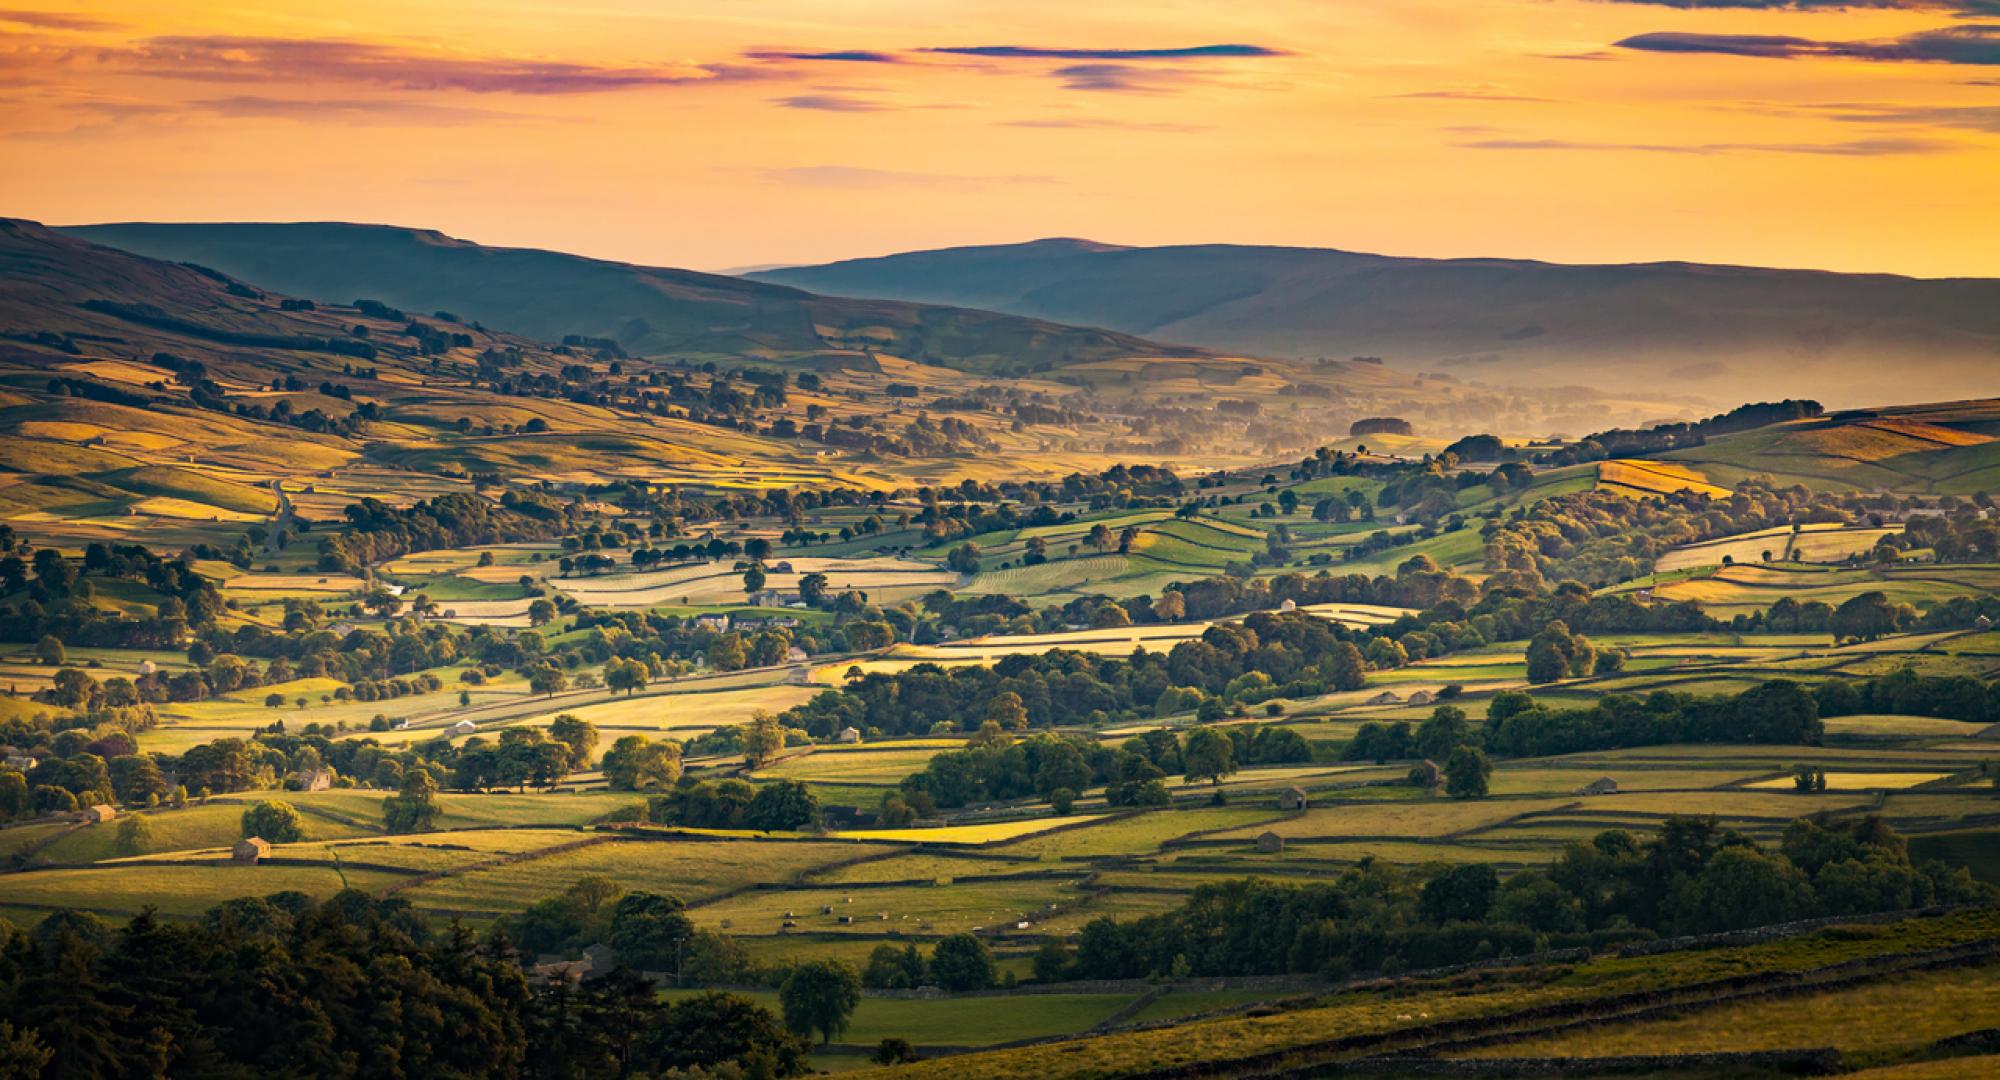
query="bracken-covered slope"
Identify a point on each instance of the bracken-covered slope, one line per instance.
(1727, 333)
(648, 310)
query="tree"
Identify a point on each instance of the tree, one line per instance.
(1742, 887)
(818, 997)
(891, 968)
(579, 735)
(812, 588)
(787, 804)
(1062, 768)
(962, 962)
(548, 680)
(1007, 710)
(50, 650)
(1467, 773)
(1170, 607)
(699, 1033)
(1099, 537)
(541, 612)
(626, 675)
(753, 579)
(763, 739)
(1208, 754)
(964, 559)
(648, 931)
(1443, 732)
(893, 1050)
(1864, 618)
(278, 822)
(637, 763)
(135, 835)
(415, 807)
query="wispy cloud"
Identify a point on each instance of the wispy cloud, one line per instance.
(1121, 78)
(856, 177)
(829, 103)
(1883, 147)
(227, 59)
(55, 20)
(1976, 44)
(1964, 117)
(1473, 93)
(1964, 7)
(836, 56)
(1079, 123)
(1037, 52)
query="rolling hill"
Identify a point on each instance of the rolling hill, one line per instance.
(1724, 333)
(647, 310)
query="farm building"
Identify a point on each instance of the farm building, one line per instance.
(317, 780)
(464, 727)
(848, 736)
(1292, 798)
(251, 849)
(796, 655)
(1289, 605)
(1603, 785)
(717, 623)
(1422, 697)
(1386, 697)
(1270, 843)
(1426, 774)
(100, 813)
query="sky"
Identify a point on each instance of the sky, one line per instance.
(715, 134)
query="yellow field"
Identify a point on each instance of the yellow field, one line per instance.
(1858, 781)
(969, 834)
(1654, 478)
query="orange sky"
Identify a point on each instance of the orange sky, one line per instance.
(720, 133)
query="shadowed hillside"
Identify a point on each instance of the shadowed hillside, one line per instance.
(647, 310)
(1727, 333)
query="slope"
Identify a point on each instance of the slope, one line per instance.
(1725, 333)
(648, 310)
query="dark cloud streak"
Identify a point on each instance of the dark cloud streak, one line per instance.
(1976, 44)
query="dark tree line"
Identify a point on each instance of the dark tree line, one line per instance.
(284, 986)
(1691, 877)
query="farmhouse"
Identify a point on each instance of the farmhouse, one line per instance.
(1292, 798)
(717, 623)
(463, 727)
(1289, 605)
(1270, 843)
(1603, 785)
(100, 813)
(1422, 697)
(317, 780)
(251, 849)
(848, 736)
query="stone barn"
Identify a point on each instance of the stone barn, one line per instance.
(1603, 785)
(251, 849)
(1270, 843)
(100, 813)
(1292, 798)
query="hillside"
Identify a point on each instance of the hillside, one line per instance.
(647, 310)
(1724, 333)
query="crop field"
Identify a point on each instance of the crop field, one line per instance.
(1814, 543)
(1654, 478)
(1743, 589)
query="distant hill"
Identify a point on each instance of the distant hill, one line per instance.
(648, 310)
(1725, 333)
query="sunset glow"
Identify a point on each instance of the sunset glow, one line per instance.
(718, 135)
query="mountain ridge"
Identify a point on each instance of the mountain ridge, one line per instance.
(1716, 327)
(648, 309)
